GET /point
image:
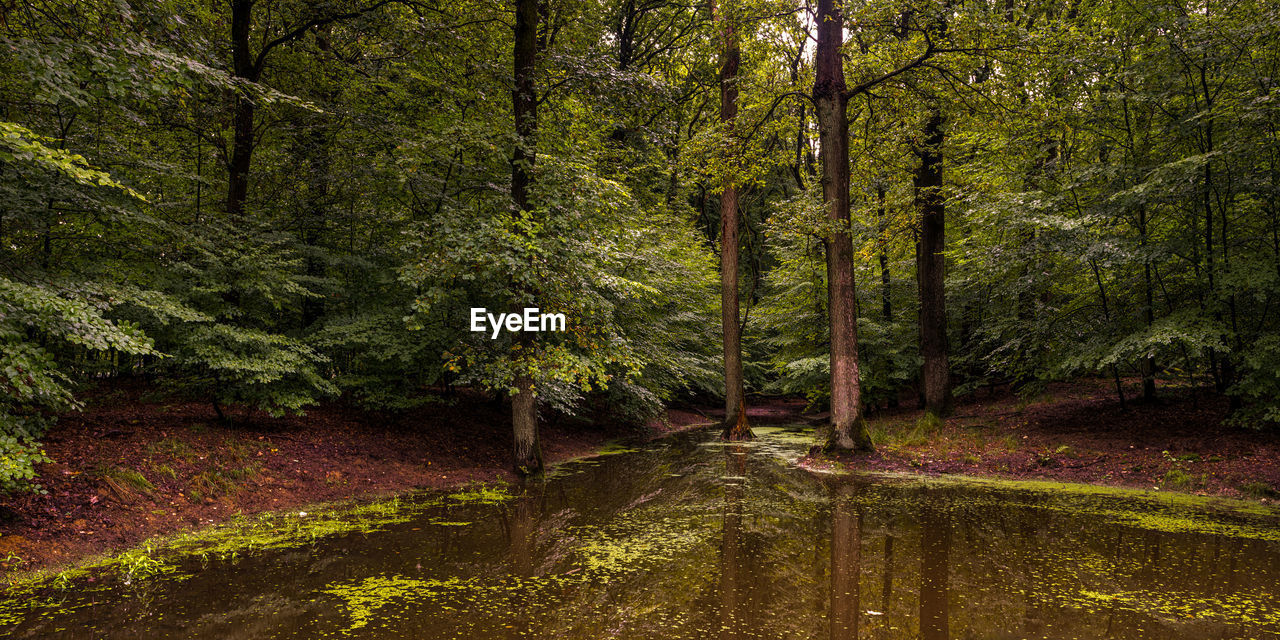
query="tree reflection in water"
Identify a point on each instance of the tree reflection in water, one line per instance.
(731, 547)
(935, 543)
(846, 561)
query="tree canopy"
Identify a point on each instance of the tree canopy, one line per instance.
(266, 204)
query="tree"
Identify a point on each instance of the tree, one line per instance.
(848, 428)
(524, 99)
(935, 373)
(735, 415)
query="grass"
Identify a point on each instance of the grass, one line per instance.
(173, 448)
(126, 483)
(216, 482)
(1179, 479)
(921, 432)
(1259, 490)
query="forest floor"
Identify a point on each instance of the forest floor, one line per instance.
(1077, 432)
(134, 465)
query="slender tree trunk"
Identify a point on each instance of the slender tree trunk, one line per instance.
(1148, 363)
(886, 298)
(1106, 315)
(242, 133)
(524, 406)
(735, 416)
(935, 375)
(848, 428)
(316, 146)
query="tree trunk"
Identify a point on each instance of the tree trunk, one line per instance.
(242, 140)
(1148, 363)
(848, 428)
(524, 426)
(886, 298)
(524, 406)
(735, 419)
(316, 144)
(935, 376)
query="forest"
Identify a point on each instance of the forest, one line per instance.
(268, 204)
(810, 277)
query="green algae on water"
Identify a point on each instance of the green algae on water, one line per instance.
(1162, 511)
(364, 598)
(482, 494)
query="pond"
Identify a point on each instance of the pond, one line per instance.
(689, 537)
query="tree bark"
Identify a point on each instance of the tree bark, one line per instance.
(524, 406)
(848, 428)
(316, 144)
(1148, 313)
(935, 376)
(242, 132)
(886, 291)
(735, 418)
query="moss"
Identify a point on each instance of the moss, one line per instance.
(162, 556)
(1236, 609)
(480, 493)
(785, 434)
(365, 597)
(645, 539)
(614, 448)
(1153, 510)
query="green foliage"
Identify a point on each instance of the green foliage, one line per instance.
(1105, 215)
(18, 145)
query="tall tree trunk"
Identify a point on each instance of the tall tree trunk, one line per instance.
(935, 375)
(316, 144)
(242, 134)
(735, 415)
(848, 428)
(524, 406)
(1149, 314)
(886, 299)
(1106, 315)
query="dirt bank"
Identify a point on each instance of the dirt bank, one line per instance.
(1077, 432)
(132, 466)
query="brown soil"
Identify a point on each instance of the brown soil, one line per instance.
(204, 472)
(1077, 432)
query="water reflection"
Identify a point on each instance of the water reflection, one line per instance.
(520, 522)
(695, 539)
(731, 560)
(846, 562)
(935, 543)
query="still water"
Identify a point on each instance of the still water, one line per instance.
(692, 538)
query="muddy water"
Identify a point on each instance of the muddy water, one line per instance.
(692, 538)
